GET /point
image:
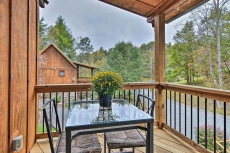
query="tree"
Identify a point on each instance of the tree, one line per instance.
(218, 9)
(126, 60)
(84, 49)
(62, 37)
(183, 52)
(42, 34)
(148, 51)
(98, 59)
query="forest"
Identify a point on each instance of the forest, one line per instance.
(199, 54)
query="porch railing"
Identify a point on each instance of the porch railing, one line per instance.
(65, 94)
(200, 114)
(197, 115)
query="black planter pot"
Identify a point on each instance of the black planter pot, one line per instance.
(105, 100)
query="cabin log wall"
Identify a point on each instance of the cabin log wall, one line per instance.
(4, 73)
(18, 42)
(32, 69)
(18, 70)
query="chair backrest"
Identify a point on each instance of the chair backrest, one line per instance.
(145, 103)
(52, 122)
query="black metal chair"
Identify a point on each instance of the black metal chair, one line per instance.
(130, 138)
(81, 144)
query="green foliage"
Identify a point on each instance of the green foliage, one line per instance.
(42, 34)
(40, 129)
(210, 137)
(58, 98)
(182, 54)
(106, 83)
(62, 37)
(84, 47)
(128, 61)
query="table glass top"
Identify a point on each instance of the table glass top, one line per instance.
(86, 113)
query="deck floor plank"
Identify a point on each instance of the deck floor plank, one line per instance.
(163, 143)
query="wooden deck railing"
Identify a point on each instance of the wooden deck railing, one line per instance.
(197, 115)
(66, 93)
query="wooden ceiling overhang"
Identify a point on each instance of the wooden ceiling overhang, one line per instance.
(172, 9)
(42, 3)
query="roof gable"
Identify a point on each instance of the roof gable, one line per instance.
(52, 45)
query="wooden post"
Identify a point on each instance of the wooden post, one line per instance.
(91, 72)
(159, 24)
(78, 73)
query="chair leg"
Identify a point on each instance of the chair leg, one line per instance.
(109, 150)
(133, 149)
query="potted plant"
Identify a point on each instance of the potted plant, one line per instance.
(105, 84)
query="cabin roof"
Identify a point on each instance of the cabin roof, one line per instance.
(44, 50)
(172, 9)
(84, 65)
(74, 64)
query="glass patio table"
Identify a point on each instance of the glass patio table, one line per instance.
(87, 117)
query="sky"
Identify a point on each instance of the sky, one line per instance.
(104, 24)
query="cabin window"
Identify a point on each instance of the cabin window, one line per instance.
(61, 73)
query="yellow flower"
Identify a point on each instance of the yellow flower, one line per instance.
(106, 82)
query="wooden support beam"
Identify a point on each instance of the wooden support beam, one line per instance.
(160, 66)
(162, 7)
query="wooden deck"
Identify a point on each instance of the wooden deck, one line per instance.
(164, 142)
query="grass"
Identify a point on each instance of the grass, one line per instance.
(40, 128)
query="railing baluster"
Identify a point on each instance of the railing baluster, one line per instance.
(75, 96)
(191, 118)
(129, 95)
(175, 110)
(179, 112)
(43, 121)
(225, 128)
(214, 122)
(143, 100)
(81, 96)
(69, 101)
(166, 101)
(170, 95)
(63, 103)
(93, 95)
(198, 120)
(86, 94)
(206, 132)
(134, 97)
(56, 104)
(148, 101)
(185, 109)
(50, 109)
(124, 94)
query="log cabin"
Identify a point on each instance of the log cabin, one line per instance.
(19, 69)
(56, 68)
